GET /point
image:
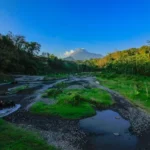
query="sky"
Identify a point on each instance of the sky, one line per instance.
(99, 26)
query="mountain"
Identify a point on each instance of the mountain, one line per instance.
(69, 58)
(82, 54)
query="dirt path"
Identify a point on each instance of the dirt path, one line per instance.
(66, 134)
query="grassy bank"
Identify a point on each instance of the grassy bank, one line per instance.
(18, 89)
(14, 138)
(73, 104)
(134, 88)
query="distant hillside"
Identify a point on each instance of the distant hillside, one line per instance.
(82, 54)
(69, 58)
(135, 61)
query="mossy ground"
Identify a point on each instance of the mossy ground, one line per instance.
(134, 88)
(73, 104)
(15, 138)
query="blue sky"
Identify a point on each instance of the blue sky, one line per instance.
(100, 26)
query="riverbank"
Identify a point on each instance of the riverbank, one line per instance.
(64, 133)
(134, 88)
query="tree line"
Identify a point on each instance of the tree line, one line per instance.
(134, 61)
(17, 55)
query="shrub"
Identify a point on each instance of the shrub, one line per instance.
(53, 92)
(61, 85)
(73, 99)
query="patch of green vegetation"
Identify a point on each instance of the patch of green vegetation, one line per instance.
(135, 88)
(64, 110)
(17, 89)
(61, 85)
(75, 104)
(97, 97)
(53, 92)
(14, 138)
(5, 78)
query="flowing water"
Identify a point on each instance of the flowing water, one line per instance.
(6, 111)
(108, 131)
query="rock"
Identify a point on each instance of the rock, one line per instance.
(6, 104)
(75, 87)
(97, 82)
(14, 82)
(116, 134)
(117, 117)
(2, 92)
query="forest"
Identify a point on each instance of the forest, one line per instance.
(18, 56)
(133, 61)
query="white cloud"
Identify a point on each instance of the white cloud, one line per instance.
(68, 53)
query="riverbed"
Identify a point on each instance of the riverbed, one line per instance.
(121, 127)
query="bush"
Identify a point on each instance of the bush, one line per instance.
(61, 85)
(75, 100)
(53, 92)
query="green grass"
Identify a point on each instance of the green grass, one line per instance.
(61, 85)
(20, 88)
(52, 93)
(134, 88)
(65, 111)
(94, 96)
(74, 104)
(15, 138)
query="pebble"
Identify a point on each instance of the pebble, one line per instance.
(97, 82)
(117, 117)
(116, 134)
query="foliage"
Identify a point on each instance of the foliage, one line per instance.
(133, 87)
(71, 98)
(61, 85)
(74, 104)
(20, 56)
(132, 61)
(19, 88)
(5, 78)
(64, 111)
(53, 92)
(98, 97)
(14, 138)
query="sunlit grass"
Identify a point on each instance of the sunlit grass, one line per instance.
(134, 88)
